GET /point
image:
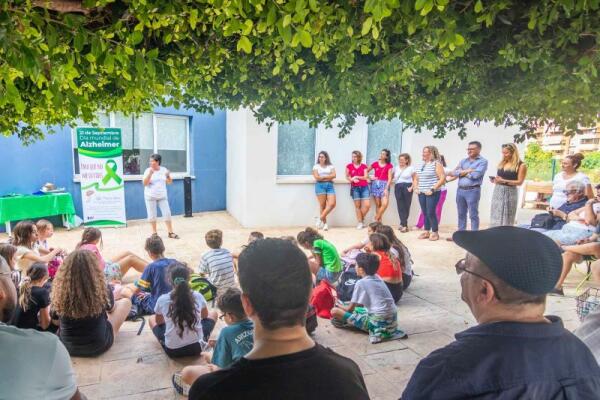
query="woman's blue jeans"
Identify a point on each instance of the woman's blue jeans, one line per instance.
(428, 205)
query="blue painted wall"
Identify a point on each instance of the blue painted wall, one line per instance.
(26, 168)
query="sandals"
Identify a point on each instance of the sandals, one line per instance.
(434, 236)
(180, 386)
(173, 235)
(424, 235)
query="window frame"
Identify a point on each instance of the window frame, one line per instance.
(139, 177)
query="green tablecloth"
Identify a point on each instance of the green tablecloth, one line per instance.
(30, 206)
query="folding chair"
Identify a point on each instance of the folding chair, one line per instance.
(588, 274)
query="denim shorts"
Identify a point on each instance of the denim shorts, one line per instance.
(324, 188)
(331, 277)
(360, 192)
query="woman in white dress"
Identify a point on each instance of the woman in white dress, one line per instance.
(156, 179)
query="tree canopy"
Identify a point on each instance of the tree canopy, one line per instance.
(434, 64)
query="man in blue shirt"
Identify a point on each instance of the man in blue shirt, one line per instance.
(470, 173)
(515, 351)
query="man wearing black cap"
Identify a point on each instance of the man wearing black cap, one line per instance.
(515, 351)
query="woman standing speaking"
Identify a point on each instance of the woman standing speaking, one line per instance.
(155, 182)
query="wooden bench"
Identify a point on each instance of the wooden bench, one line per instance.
(543, 190)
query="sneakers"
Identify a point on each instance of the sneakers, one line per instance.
(360, 225)
(325, 227)
(180, 386)
(318, 223)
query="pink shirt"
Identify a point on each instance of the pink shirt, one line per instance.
(381, 173)
(94, 249)
(353, 171)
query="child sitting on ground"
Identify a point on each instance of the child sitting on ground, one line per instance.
(45, 231)
(235, 341)
(182, 322)
(217, 263)
(253, 236)
(113, 270)
(9, 253)
(372, 308)
(390, 269)
(154, 281)
(325, 262)
(34, 300)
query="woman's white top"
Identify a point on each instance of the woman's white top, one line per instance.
(403, 175)
(323, 171)
(157, 187)
(560, 183)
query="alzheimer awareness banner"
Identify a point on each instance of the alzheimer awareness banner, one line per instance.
(101, 171)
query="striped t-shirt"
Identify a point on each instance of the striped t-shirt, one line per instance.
(427, 176)
(217, 265)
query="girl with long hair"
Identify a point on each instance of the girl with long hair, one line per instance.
(324, 174)
(511, 174)
(382, 180)
(25, 237)
(113, 269)
(358, 176)
(429, 179)
(400, 251)
(89, 316)
(33, 310)
(325, 261)
(569, 172)
(182, 323)
(390, 268)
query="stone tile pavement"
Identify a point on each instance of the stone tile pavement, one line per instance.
(431, 312)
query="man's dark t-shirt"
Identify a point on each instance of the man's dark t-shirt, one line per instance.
(316, 373)
(40, 298)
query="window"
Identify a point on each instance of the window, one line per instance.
(295, 148)
(590, 141)
(147, 134)
(384, 135)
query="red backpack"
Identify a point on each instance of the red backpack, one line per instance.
(323, 299)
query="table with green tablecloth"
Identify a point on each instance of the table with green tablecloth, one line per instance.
(16, 208)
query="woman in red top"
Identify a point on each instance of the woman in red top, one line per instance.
(358, 176)
(390, 268)
(380, 186)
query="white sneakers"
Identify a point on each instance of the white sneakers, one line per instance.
(360, 225)
(320, 225)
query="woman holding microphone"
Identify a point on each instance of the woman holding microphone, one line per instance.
(155, 182)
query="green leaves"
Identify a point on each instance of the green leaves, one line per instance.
(244, 44)
(433, 63)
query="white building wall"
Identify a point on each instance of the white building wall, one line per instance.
(257, 197)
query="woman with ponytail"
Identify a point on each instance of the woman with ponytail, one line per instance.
(182, 322)
(33, 310)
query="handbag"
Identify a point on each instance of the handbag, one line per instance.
(543, 221)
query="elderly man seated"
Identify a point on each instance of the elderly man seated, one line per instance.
(580, 223)
(516, 352)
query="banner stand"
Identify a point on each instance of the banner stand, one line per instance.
(101, 171)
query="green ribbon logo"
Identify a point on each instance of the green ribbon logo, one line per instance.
(111, 173)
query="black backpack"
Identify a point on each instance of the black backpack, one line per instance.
(543, 221)
(345, 287)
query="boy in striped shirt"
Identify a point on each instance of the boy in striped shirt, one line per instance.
(217, 263)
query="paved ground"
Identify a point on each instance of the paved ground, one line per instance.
(431, 313)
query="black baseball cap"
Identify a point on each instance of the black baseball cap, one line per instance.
(526, 260)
